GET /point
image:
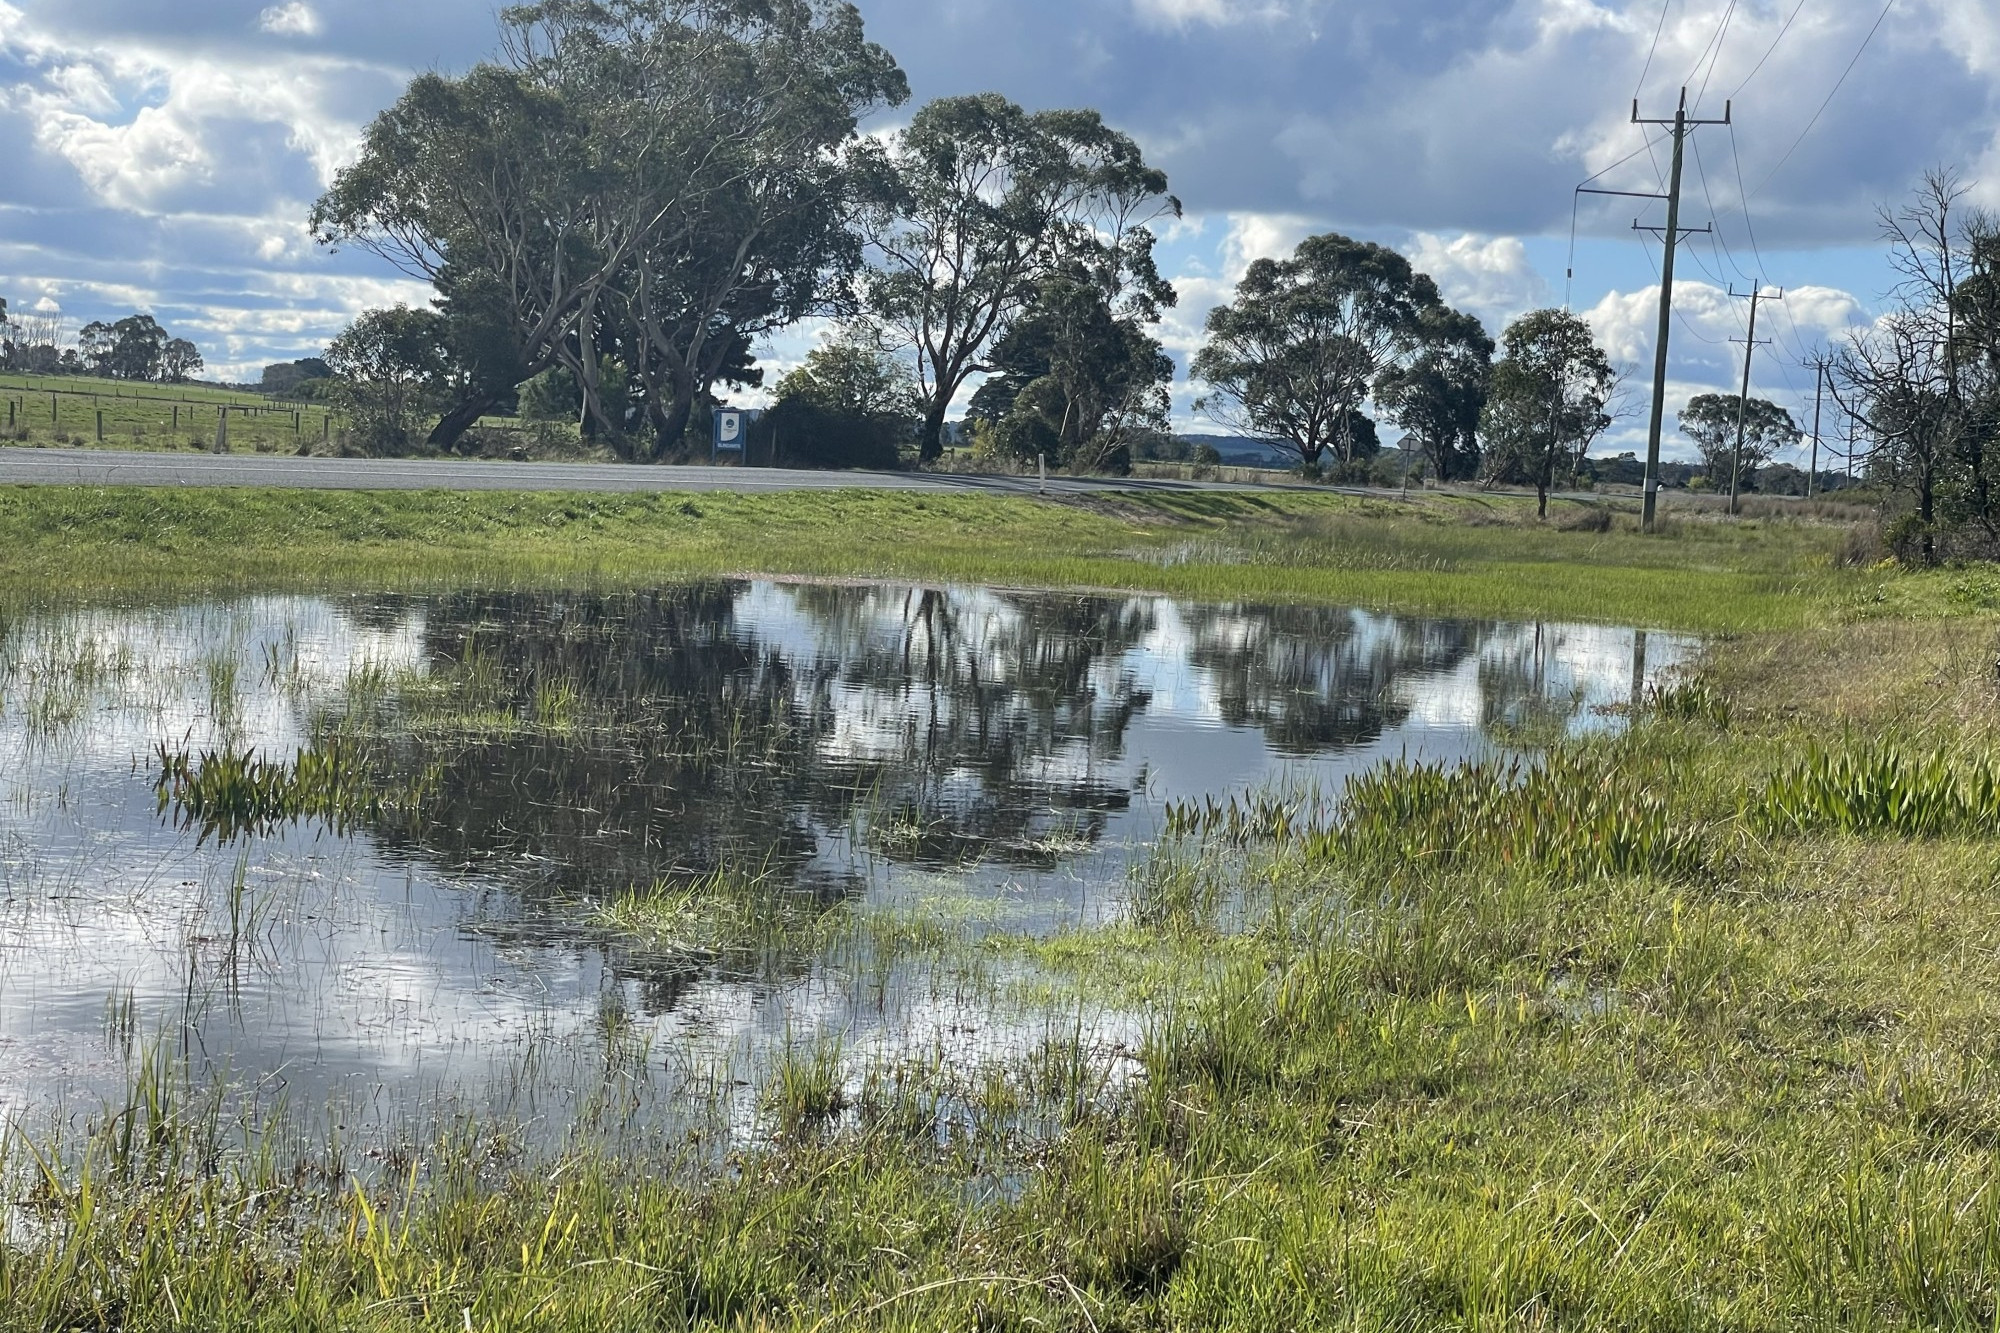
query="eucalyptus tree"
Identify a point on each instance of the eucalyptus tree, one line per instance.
(644, 179)
(1437, 393)
(1710, 421)
(477, 185)
(1075, 379)
(1293, 357)
(754, 230)
(1548, 399)
(976, 206)
(1924, 379)
(179, 361)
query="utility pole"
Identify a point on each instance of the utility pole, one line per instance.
(1682, 123)
(1819, 388)
(1756, 294)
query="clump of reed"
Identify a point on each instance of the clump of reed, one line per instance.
(1881, 787)
(725, 913)
(1693, 700)
(1576, 814)
(227, 794)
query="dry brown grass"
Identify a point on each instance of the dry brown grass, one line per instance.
(1900, 675)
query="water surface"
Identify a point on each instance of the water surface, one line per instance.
(999, 757)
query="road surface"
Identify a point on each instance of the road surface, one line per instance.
(94, 467)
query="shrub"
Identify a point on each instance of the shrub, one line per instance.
(1585, 518)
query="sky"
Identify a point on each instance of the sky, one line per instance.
(163, 158)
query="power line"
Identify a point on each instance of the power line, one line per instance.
(1768, 50)
(1750, 228)
(1721, 39)
(1823, 105)
(1715, 45)
(1658, 28)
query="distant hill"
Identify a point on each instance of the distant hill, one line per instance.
(1241, 450)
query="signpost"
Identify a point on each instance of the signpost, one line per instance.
(728, 435)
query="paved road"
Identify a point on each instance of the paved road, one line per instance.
(93, 467)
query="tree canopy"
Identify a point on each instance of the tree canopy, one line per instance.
(1293, 357)
(649, 183)
(1547, 400)
(979, 211)
(1710, 423)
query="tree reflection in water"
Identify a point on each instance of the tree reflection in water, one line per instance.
(579, 745)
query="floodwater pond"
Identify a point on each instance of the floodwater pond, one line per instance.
(617, 850)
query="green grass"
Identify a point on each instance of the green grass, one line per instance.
(1449, 556)
(1657, 1038)
(83, 411)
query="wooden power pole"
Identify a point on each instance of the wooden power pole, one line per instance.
(1682, 123)
(1755, 294)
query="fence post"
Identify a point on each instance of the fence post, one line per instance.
(177, 416)
(100, 425)
(222, 429)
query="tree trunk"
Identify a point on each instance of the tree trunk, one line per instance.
(673, 426)
(460, 419)
(1927, 512)
(930, 443)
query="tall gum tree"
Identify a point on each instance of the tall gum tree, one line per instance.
(618, 144)
(974, 205)
(1549, 397)
(1293, 357)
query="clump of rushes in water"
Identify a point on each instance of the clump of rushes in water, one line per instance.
(726, 913)
(1574, 813)
(227, 794)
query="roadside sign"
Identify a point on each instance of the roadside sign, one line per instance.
(728, 430)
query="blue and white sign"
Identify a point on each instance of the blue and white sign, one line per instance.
(728, 429)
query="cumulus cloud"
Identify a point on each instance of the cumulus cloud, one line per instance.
(296, 19)
(1214, 13)
(1453, 128)
(1490, 276)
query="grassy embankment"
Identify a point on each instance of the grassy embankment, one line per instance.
(1444, 555)
(1692, 1033)
(72, 410)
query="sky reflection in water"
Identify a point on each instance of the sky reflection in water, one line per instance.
(864, 745)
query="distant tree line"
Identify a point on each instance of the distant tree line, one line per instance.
(616, 209)
(133, 348)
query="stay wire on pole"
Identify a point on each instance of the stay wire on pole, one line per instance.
(1891, 4)
(1576, 202)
